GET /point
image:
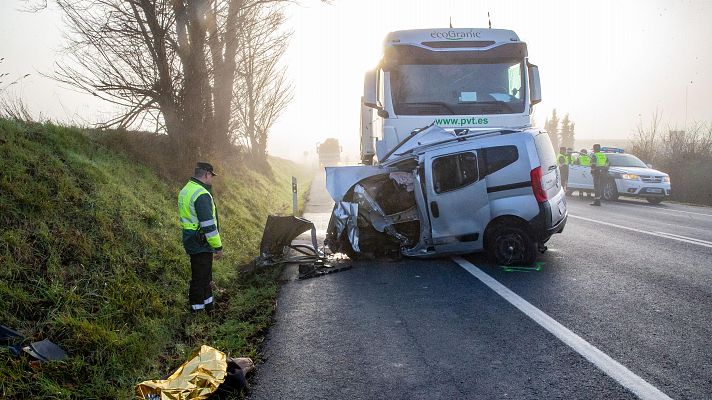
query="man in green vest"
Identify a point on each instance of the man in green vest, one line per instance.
(599, 170)
(583, 160)
(201, 238)
(564, 160)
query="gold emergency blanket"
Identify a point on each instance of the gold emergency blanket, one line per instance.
(196, 379)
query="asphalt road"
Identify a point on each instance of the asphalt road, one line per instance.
(632, 280)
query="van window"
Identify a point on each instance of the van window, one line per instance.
(547, 156)
(495, 158)
(454, 171)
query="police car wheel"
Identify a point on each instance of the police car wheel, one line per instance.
(654, 200)
(511, 245)
(610, 191)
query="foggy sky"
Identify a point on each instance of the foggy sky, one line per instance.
(609, 64)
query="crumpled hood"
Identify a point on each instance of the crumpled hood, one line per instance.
(340, 179)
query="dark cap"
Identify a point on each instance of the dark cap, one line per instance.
(206, 167)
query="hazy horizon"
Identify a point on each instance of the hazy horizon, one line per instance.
(610, 65)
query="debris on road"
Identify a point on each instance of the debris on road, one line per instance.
(276, 244)
(320, 268)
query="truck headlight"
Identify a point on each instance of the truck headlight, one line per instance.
(666, 179)
(630, 177)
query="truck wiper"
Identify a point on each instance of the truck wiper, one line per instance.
(496, 102)
(432, 103)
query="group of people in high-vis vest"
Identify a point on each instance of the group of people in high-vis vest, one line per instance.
(597, 161)
(201, 237)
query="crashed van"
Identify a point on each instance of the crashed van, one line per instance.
(443, 192)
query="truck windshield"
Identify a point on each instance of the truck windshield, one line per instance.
(625, 160)
(447, 89)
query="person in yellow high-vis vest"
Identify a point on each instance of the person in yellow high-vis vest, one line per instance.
(583, 160)
(201, 238)
(564, 159)
(599, 170)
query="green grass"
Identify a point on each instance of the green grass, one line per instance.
(90, 258)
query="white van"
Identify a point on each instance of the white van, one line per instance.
(451, 192)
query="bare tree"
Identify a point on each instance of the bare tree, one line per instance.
(645, 141)
(261, 90)
(170, 63)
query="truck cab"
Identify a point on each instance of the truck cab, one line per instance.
(476, 79)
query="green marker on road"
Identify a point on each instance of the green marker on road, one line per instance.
(537, 267)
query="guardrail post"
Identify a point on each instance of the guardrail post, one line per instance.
(295, 209)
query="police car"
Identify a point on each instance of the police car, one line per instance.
(627, 176)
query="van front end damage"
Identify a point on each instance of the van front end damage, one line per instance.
(377, 213)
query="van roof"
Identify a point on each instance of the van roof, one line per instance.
(424, 145)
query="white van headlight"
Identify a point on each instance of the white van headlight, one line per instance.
(630, 177)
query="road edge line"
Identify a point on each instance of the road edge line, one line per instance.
(601, 360)
(658, 234)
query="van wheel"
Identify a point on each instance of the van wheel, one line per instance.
(654, 200)
(511, 245)
(610, 191)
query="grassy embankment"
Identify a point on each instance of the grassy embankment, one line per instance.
(90, 258)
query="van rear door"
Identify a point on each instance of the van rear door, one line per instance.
(550, 177)
(457, 200)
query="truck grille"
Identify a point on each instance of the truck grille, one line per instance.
(651, 179)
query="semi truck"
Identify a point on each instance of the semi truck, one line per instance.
(329, 152)
(451, 162)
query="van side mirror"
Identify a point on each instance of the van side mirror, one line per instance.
(534, 84)
(370, 92)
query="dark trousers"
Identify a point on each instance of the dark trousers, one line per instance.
(564, 175)
(597, 174)
(201, 267)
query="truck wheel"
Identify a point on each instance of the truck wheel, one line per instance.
(610, 191)
(654, 200)
(511, 245)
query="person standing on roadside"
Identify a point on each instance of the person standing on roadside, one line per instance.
(599, 169)
(585, 161)
(201, 238)
(564, 160)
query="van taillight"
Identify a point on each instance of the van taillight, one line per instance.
(539, 192)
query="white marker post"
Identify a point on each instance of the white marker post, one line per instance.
(295, 209)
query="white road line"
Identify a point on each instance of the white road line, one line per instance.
(658, 234)
(661, 209)
(601, 360)
(686, 238)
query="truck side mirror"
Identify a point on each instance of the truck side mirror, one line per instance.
(370, 92)
(534, 84)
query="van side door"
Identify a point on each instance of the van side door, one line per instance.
(457, 200)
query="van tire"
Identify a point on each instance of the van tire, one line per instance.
(511, 245)
(610, 191)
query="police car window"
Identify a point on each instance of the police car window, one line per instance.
(625, 160)
(496, 158)
(454, 172)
